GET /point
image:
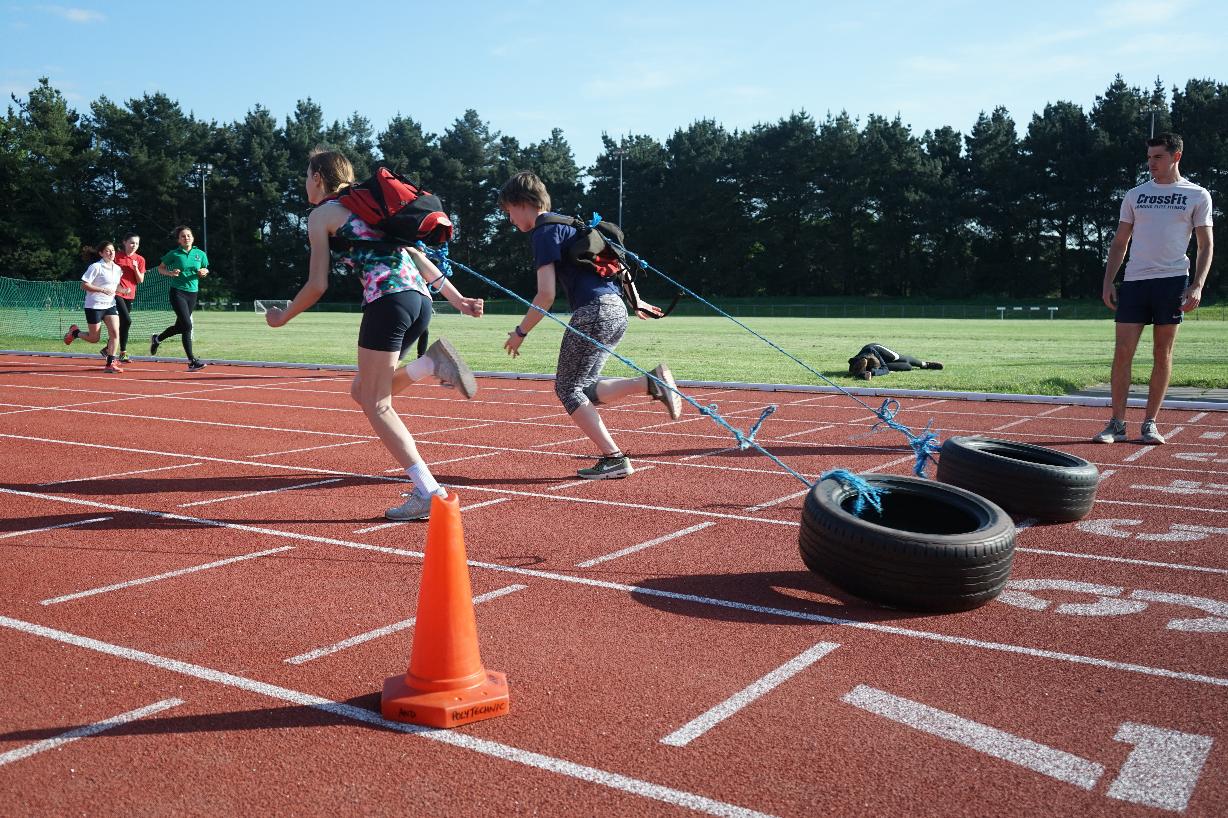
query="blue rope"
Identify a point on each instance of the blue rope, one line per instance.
(746, 440)
(865, 492)
(924, 446)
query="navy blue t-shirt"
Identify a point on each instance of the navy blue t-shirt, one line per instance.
(581, 285)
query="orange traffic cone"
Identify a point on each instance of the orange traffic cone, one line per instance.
(446, 685)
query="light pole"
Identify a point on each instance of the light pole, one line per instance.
(620, 153)
(203, 169)
(1153, 110)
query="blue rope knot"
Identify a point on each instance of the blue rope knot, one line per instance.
(924, 446)
(439, 255)
(865, 492)
(748, 440)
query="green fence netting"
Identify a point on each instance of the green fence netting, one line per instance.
(46, 309)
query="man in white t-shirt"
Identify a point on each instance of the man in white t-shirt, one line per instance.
(1159, 215)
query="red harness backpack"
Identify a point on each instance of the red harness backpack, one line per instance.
(405, 213)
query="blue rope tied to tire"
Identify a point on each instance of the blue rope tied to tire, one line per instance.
(923, 445)
(865, 492)
(440, 257)
(745, 440)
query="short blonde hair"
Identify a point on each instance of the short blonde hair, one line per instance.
(525, 188)
(333, 167)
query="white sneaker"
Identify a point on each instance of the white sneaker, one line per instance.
(1115, 432)
(670, 396)
(415, 507)
(1151, 434)
(450, 368)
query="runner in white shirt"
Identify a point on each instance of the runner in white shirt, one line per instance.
(100, 281)
(1159, 215)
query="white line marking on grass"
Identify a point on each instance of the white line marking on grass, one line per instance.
(311, 448)
(493, 749)
(261, 493)
(180, 572)
(695, 728)
(777, 501)
(118, 474)
(1028, 754)
(874, 627)
(404, 624)
(51, 527)
(86, 730)
(640, 547)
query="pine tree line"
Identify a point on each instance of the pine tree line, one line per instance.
(797, 207)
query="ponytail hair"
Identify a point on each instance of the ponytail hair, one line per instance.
(333, 167)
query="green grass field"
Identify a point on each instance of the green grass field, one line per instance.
(1039, 357)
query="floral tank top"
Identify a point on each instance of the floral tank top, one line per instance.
(384, 270)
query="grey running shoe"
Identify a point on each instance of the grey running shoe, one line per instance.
(451, 368)
(195, 366)
(1115, 432)
(1151, 434)
(608, 468)
(415, 507)
(670, 397)
(154, 343)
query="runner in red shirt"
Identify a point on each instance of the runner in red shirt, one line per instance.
(133, 266)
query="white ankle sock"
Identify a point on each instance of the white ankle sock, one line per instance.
(420, 368)
(424, 481)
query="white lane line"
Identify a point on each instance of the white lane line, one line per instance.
(991, 741)
(399, 470)
(1125, 561)
(585, 482)
(641, 546)
(709, 454)
(1106, 474)
(1197, 417)
(118, 474)
(1052, 411)
(1163, 506)
(778, 501)
(469, 507)
(329, 650)
(1005, 426)
(1212, 435)
(311, 448)
(261, 493)
(695, 728)
(875, 627)
(52, 527)
(180, 572)
(86, 730)
(1145, 448)
(464, 741)
(1188, 487)
(805, 432)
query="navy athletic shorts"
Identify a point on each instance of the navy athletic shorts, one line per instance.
(1151, 301)
(393, 322)
(94, 315)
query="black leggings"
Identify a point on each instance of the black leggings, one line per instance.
(182, 303)
(123, 307)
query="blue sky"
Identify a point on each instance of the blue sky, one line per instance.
(627, 67)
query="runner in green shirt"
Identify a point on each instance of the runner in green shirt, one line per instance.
(185, 265)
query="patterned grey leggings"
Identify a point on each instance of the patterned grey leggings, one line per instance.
(603, 319)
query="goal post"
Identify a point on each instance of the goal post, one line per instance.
(264, 305)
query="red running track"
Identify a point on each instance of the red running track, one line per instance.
(201, 601)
